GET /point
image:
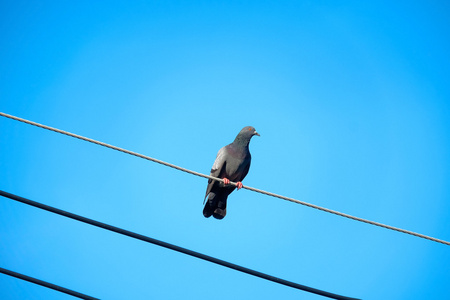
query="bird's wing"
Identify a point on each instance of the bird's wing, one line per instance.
(217, 168)
(219, 162)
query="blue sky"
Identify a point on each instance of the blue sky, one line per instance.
(352, 103)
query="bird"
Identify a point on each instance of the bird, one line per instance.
(232, 164)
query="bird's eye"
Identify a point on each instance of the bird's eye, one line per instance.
(250, 129)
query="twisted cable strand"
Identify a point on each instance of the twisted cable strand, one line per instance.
(221, 180)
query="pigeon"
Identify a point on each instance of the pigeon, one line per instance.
(232, 164)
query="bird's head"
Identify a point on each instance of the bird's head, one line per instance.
(248, 132)
(244, 136)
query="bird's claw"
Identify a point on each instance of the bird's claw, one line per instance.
(226, 181)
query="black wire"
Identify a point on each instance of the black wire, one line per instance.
(46, 284)
(173, 247)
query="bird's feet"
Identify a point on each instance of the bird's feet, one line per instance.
(239, 185)
(226, 181)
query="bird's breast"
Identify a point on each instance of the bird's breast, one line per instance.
(234, 170)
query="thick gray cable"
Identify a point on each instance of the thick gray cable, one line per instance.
(173, 247)
(46, 284)
(221, 180)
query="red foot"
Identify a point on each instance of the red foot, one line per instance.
(226, 181)
(239, 185)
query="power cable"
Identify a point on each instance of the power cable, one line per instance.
(46, 284)
(172, 247)
(221, 180)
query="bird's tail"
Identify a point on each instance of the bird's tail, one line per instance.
(208, 210)
(215, 206)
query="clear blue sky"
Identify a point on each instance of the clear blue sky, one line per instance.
(352, 103)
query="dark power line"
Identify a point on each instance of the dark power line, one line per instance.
(46, 284)
(173, 247)
(221, 180)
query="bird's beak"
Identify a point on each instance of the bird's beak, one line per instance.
(255, 133)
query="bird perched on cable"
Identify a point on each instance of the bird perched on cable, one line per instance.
(232, 164)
